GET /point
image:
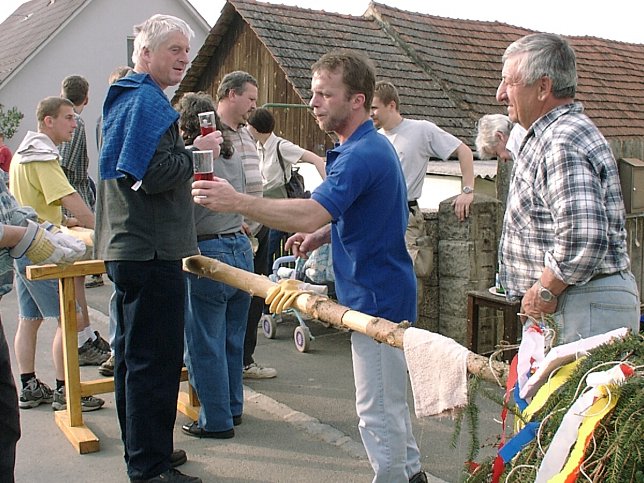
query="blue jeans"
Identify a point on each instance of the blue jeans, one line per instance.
(601, 305)
(148, 350)
(216, 316)
(380, 376)
(36, 299)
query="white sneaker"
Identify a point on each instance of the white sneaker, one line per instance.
(255, 371)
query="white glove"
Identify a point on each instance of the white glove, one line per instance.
(46, 244)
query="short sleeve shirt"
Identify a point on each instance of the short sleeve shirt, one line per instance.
(272, 174)
(416, 141)
(41, 185)
(364, 192)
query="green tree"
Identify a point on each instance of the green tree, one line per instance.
(10, 121)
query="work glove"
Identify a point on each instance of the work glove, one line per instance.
(47, 244)
(282, 295)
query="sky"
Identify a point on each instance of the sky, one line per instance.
(614, 19)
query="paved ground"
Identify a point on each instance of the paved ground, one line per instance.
(300, 426)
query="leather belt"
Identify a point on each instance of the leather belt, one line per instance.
(412, 204)
(213, 236)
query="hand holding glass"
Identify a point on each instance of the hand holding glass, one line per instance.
(206, 122)
(202, 162)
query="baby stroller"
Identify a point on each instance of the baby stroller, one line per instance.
(302, 334)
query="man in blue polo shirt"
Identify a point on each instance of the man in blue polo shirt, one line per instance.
(361, 207)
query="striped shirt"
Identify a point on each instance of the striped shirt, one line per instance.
(565, 209)
(245, 147)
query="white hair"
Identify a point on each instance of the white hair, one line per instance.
(151, 33)
(486, 139)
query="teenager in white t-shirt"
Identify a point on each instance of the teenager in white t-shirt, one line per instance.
(416, 141)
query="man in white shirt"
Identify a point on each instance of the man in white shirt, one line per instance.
(416, 141)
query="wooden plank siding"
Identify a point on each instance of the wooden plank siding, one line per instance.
(240, 49)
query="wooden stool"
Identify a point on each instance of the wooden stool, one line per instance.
(511, 320)
(71, 421)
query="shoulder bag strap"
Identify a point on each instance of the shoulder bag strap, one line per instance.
(279, 157)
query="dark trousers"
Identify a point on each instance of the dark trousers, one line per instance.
(9, 416)
(260, 267)
(148, 351)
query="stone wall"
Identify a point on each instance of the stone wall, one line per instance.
(465, 258)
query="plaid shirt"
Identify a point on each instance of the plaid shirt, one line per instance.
(565, 209)
(75, 163)
(11, 213)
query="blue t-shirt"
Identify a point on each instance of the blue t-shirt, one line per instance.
(365, 193)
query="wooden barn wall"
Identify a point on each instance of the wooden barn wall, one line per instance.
(241, 50)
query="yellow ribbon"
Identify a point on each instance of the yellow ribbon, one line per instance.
(544, 393)
(600, 408)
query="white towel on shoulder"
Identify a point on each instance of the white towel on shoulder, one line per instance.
(438, 372)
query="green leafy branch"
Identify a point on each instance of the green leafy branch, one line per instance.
(10, 121)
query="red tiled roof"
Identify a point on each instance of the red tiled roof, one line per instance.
(446, 70)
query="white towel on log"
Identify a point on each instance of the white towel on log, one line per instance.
(437, 370)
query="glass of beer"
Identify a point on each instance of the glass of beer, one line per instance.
(206, 122)
(202, 162)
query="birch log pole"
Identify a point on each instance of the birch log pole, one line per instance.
(332, 313)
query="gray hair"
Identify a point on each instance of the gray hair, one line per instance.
(234, 81)
(151, 33)
(488, 126)
(549, 55)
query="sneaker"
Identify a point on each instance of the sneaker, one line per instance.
(91, 355)
(255, 371)
(107, 368)
(101, 343)
(170, 476)
(34, 394)
(88, 403)
(95, 281)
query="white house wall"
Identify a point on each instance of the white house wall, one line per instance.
(91, 45)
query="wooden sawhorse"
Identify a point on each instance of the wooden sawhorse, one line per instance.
(511, 319)
(71, 420)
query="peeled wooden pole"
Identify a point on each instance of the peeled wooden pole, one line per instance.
(328, 311)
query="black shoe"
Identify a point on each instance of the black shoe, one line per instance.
(170, 476)
(178, 457)
(193, 429)
(237, 420)
(420, 477)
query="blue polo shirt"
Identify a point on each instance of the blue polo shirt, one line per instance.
(365, 193)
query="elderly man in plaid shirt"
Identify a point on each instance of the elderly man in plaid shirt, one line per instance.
(563, 245)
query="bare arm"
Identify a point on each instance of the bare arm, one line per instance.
(301, 244)
(463, 201)
(315, 160)
(290, 215)
(75, 204)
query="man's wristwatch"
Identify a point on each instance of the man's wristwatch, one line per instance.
(545, 294)
(468, 189)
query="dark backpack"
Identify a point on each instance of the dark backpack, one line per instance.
(295, 186)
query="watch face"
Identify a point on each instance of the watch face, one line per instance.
(545, 295)
(467, 190)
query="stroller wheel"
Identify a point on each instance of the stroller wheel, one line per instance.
(302, 338)
(269, 326)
